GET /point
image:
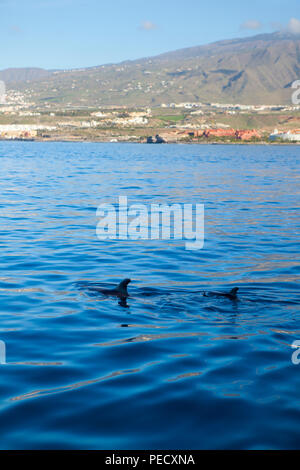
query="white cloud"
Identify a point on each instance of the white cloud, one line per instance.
(148, 25)
(294, 26)
(254, 25)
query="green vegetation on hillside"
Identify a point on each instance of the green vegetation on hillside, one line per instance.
(254, 70)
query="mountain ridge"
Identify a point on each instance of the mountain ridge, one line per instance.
(252, 70)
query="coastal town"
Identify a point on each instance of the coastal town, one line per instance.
(167, 123)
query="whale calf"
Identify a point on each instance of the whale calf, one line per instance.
(230, 295)
(119, 291)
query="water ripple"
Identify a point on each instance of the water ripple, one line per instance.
(174, 368)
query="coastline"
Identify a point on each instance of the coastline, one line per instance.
(90, 141)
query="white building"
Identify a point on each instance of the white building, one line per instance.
(291, 136)
(24, 127)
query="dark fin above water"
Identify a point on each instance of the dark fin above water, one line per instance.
(122, 288)
(119, 291)
(233, 292)
(231, 295)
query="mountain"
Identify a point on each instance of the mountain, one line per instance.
(23, 74)
(252, 70)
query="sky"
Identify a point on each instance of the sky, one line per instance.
(64, 34)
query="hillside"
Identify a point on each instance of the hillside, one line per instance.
(255, 70)
(15, 75)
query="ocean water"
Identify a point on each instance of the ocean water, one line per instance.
(172, 369)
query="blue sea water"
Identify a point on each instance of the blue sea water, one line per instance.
(174, 369)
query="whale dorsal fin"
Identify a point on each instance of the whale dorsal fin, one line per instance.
(122, 287)
(124, 283)
(233, 291)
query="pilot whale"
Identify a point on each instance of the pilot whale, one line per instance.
(230, 295)
(119, 291)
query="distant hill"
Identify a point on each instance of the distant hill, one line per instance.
(23, 74)
(253, 70)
